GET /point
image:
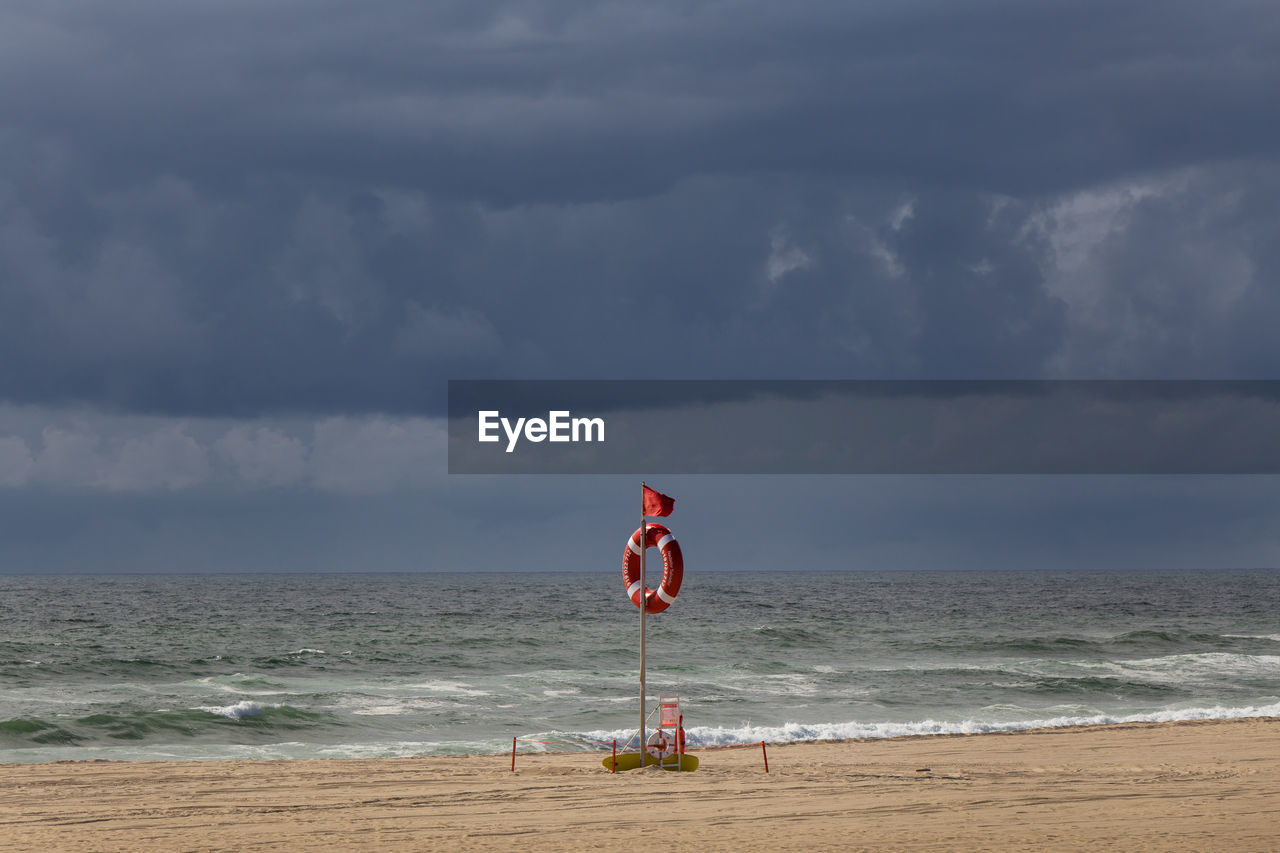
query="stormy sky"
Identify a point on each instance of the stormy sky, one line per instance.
(244, 245)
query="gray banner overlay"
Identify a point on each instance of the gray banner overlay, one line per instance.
(864, 427)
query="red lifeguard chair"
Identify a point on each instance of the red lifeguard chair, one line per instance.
(667, 742)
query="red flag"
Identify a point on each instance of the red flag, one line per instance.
(656, 503)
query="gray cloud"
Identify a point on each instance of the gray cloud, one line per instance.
(566, 101)
(1169, 275)
(261, 455)
(15, 461)
(243, 245)
(377, 454)
(323, 208)
(85, 452)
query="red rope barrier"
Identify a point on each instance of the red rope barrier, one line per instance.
(603, 743)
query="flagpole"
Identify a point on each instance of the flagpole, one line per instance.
(644, 605)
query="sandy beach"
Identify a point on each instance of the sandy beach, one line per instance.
(1211, 785)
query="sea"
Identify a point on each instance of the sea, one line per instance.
(271, 666)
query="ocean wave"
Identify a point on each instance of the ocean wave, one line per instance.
(1173, 668)
(241, 682)
(275, 751)
(387, 706)
(56, 665)
(1166, 671)
(244, 718)
(29, 739)
(255, 666)
(384, 710)
(35, 730)
(711, 736)
(455, 687)
(786, 635)
(1219, 662)
(240, 710)
(1154, 640)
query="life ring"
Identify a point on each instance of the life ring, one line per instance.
(659, 746)
(656, 600)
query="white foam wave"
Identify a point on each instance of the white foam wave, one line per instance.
(306, 651)
(239, 682)
(239, 710)
(791, 732)
(447, 687)
(387, 706)
(383, 711)
(1220, 662)
(1221, 668)
(262, 752)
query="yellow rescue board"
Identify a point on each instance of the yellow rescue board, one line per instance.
(631, 761)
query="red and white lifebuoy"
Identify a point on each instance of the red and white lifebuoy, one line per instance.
(656, 600)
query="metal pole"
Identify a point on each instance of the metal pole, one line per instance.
(644, 605)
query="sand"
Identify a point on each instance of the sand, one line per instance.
(1204, 786)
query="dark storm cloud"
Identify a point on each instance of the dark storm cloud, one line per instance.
(734, 524)
(238, 208)
(526, 102)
